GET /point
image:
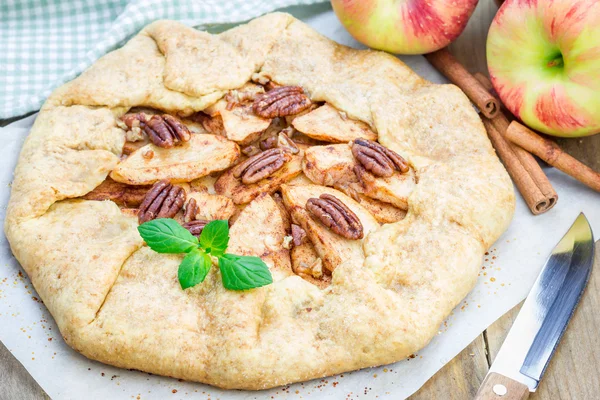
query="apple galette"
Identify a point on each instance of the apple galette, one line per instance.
(367, 195)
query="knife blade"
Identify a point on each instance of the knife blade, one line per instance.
(543, 318)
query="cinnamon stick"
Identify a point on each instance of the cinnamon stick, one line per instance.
(452, 69)
(535, 199)
(485, 82)
(550, 152)
(536, 189)
(528, 162)
(487, 85)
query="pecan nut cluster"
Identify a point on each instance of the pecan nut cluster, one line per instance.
(162, 130)
(163, 200)
(195, 227)
(191, 210)
(377, 159)
(261, 165)
(335, 215)
(280, 102)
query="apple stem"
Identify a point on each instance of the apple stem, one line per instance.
(556, 62)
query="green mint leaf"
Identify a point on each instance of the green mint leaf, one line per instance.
(243, 272)
(215, 237)
(194, 268)
(165, 235)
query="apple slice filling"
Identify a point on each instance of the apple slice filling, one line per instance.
(286, 178)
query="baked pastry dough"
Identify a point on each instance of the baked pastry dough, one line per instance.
(118, 302)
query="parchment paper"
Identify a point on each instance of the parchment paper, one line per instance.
(28, 331)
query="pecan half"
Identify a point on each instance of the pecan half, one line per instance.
(261, 165)
(298, 235)
(190, 210)
(162, 130)
(281, 101)
(132, 120)
(335, 215)
(377, 159)
(163, 200)
(195, 227)
(268, 143)
(284, 142)
(212, 125)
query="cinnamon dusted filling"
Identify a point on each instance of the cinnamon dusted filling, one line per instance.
(275, 157)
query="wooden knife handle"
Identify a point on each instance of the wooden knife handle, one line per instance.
(499, 387)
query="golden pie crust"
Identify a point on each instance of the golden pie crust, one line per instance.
(118, 302)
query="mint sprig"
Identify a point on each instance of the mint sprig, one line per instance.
(215, 237)
(193, 268)
(165, 235)
(243, 272)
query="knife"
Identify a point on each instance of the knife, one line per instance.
(534, 336)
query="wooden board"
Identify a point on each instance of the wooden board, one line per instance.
(460, 378)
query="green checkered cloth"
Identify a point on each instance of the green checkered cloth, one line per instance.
(45, 43)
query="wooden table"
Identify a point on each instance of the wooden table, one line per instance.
(573, 372)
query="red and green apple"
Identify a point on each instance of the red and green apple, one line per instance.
(404, 26)
(544, 62)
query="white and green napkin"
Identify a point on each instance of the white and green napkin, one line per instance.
(44, 43)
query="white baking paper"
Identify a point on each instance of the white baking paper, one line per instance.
(28, 331)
